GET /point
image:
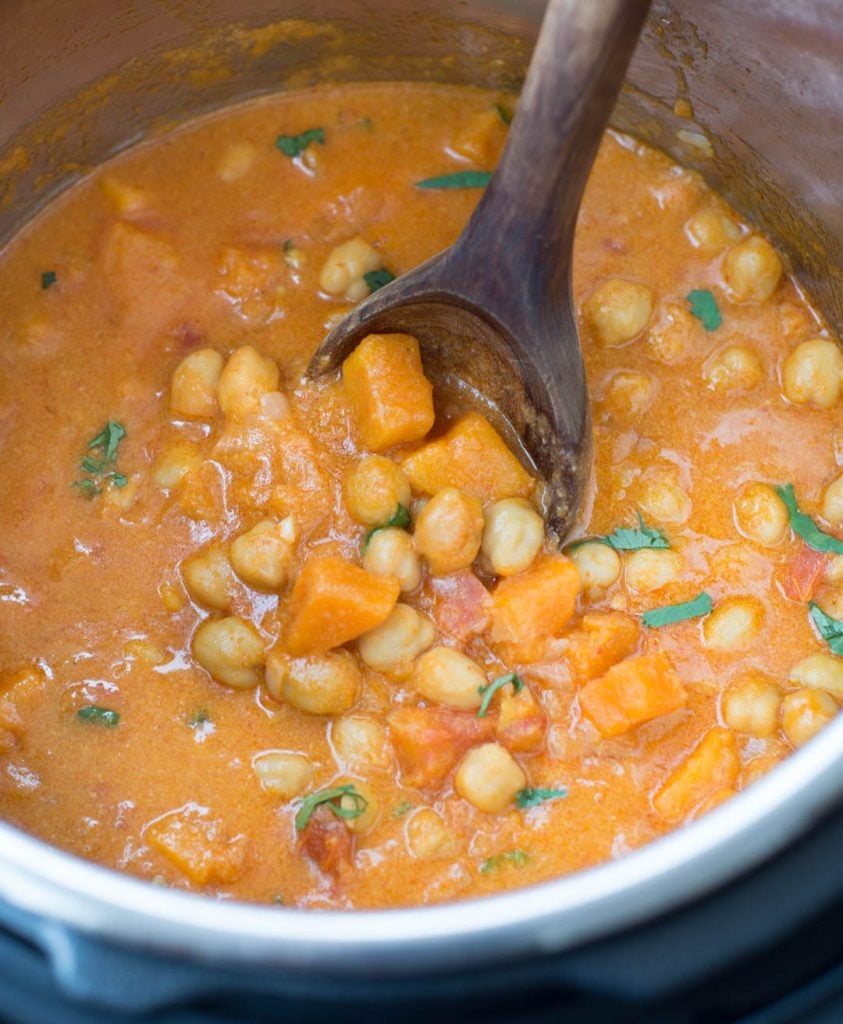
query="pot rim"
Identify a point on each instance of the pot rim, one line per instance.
(66, 891)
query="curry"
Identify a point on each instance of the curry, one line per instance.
(310, 643)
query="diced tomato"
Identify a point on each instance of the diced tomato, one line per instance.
(460, 606)
(803, 573)
(430, 741)
(327, 842)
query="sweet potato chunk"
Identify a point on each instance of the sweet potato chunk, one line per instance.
(333, 602)
(471, 456)
(430, 741)
(632, 692)
(711, 768)
(197, 845)
(601, 640)
(521, 722)
(530, 609)
(389, 393)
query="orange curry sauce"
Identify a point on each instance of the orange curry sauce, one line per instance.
(117, 745)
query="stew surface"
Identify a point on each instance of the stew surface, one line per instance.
(308, 644)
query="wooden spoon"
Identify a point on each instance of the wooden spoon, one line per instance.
(494, 314)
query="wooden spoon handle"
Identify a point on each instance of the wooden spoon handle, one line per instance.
(528, 213)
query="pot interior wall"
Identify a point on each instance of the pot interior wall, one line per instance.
(763, 83)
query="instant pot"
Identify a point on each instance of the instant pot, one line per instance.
(734, 918)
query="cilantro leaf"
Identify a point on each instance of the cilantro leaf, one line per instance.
(294, 145)
(98, 716)
(831, 630)
(108, 439)
(378, 278)
(530, 797)
(489, 691)
(626, 538)
(668, 614)
(332, 799)
(48, 279)
(805, 527)
(504, 114)
(460, 179)
(704, 307)
(514, 857)
(399, 519)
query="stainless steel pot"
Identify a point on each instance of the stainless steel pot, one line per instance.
(765, 83)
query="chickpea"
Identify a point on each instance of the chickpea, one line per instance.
(820, 672)
(734, 624)
(599, 565)
(343, 270)
(712, 230)
(751, 705)
(366, 821)
(618, 311)
(450, 677)
(489, 777)
(209, 578)
(283, 774)
(247, 377)
(236, 161)
(831, 603)
(663, 500)
(193, 391)
(630, 393)
(374, 489)
(668, 341)
(513, 534)
(391, 552)
(230, 650)
(262, 556)
(834, 569)
(734, 368)
(651, 569)
(392, 646)
(752, 269)
(275, 407)
(805, 712)
(320, 684)
(449, 530)
(360, 741)
(833, 502)
(761, 515)
(813, 373)
(141, 649)
(428, 837)
(174, 463)
(129, 199)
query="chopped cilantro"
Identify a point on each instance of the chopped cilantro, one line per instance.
(99, 716)
(805, 527)
(294, 145)
(366, 124)
(489, 691)
(504, 114)
(106, 442)
(199, 717)
(108, 439)
(626, 538)
(670, 613)
(48, 279)
(516, 858)
(402, 808)
(333, 800)
(704, 307)
(831, 630)
(529, 797)
(399, 519)
(460, 179)
(378, 278)
(278, 899)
